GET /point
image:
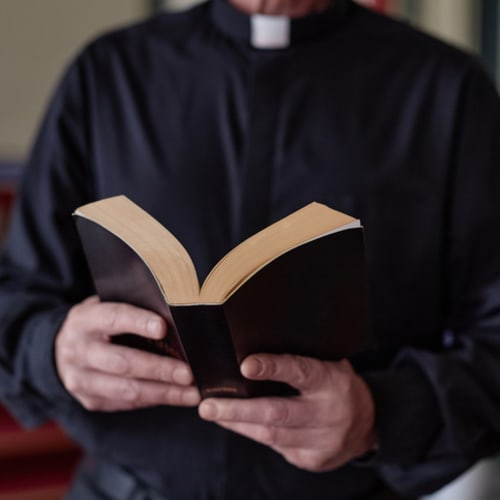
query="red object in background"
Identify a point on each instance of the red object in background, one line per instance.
(10, 174)
(7, 193)
(379, 5)
(35, 464)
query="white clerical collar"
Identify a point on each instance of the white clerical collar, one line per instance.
(239, 26)
(269, 32)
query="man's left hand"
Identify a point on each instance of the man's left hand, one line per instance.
(330, 423)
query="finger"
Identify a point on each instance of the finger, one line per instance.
(314, 460)
(300, 372)
(279, 438)
(93, 403)
(93, 299)
(316, 451)
(278, 412)
(112, 318)
(103, 405)
(90, 385)
(133, 363)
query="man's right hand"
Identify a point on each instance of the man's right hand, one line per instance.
(108, 377)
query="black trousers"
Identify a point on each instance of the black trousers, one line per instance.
(106, 481)
(98, 480)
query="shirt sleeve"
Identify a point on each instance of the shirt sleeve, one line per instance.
(439, 412)
(42, 270)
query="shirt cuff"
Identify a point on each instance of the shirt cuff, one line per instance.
(407, 418)
(43, 394)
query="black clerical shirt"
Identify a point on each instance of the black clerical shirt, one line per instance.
(217, 139)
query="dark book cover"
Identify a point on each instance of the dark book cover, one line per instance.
(311, 301)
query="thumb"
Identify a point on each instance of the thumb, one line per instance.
(301, 372)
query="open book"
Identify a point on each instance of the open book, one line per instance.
(298, 286)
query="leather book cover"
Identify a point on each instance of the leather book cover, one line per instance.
(312, 301)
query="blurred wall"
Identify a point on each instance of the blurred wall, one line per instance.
(37, 39)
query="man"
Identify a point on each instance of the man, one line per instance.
(218, 126)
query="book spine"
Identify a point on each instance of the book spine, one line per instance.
(209, 350)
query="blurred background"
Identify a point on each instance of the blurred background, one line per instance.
(37, 40)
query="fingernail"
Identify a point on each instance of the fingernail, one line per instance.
(252, 367)
(154, 327)
(208, 410)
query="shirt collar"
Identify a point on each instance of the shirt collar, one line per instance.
(238, 25)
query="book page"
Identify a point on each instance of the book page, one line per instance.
(160, 250)
(308, 223)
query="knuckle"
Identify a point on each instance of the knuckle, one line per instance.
(90, 404)
(110, 319)
(68, 354)
(278, 413)
(129, 391)
(175, 395)
(272, 368)
(74, 313)
(159, 372)
(268, 435)
(340, 443)
(172, 395)
(73, 382)
(340, 418)
(179, 396)
(304, 369)
(312, 462)
(344, 384)
(78, 313)
(118, 364)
